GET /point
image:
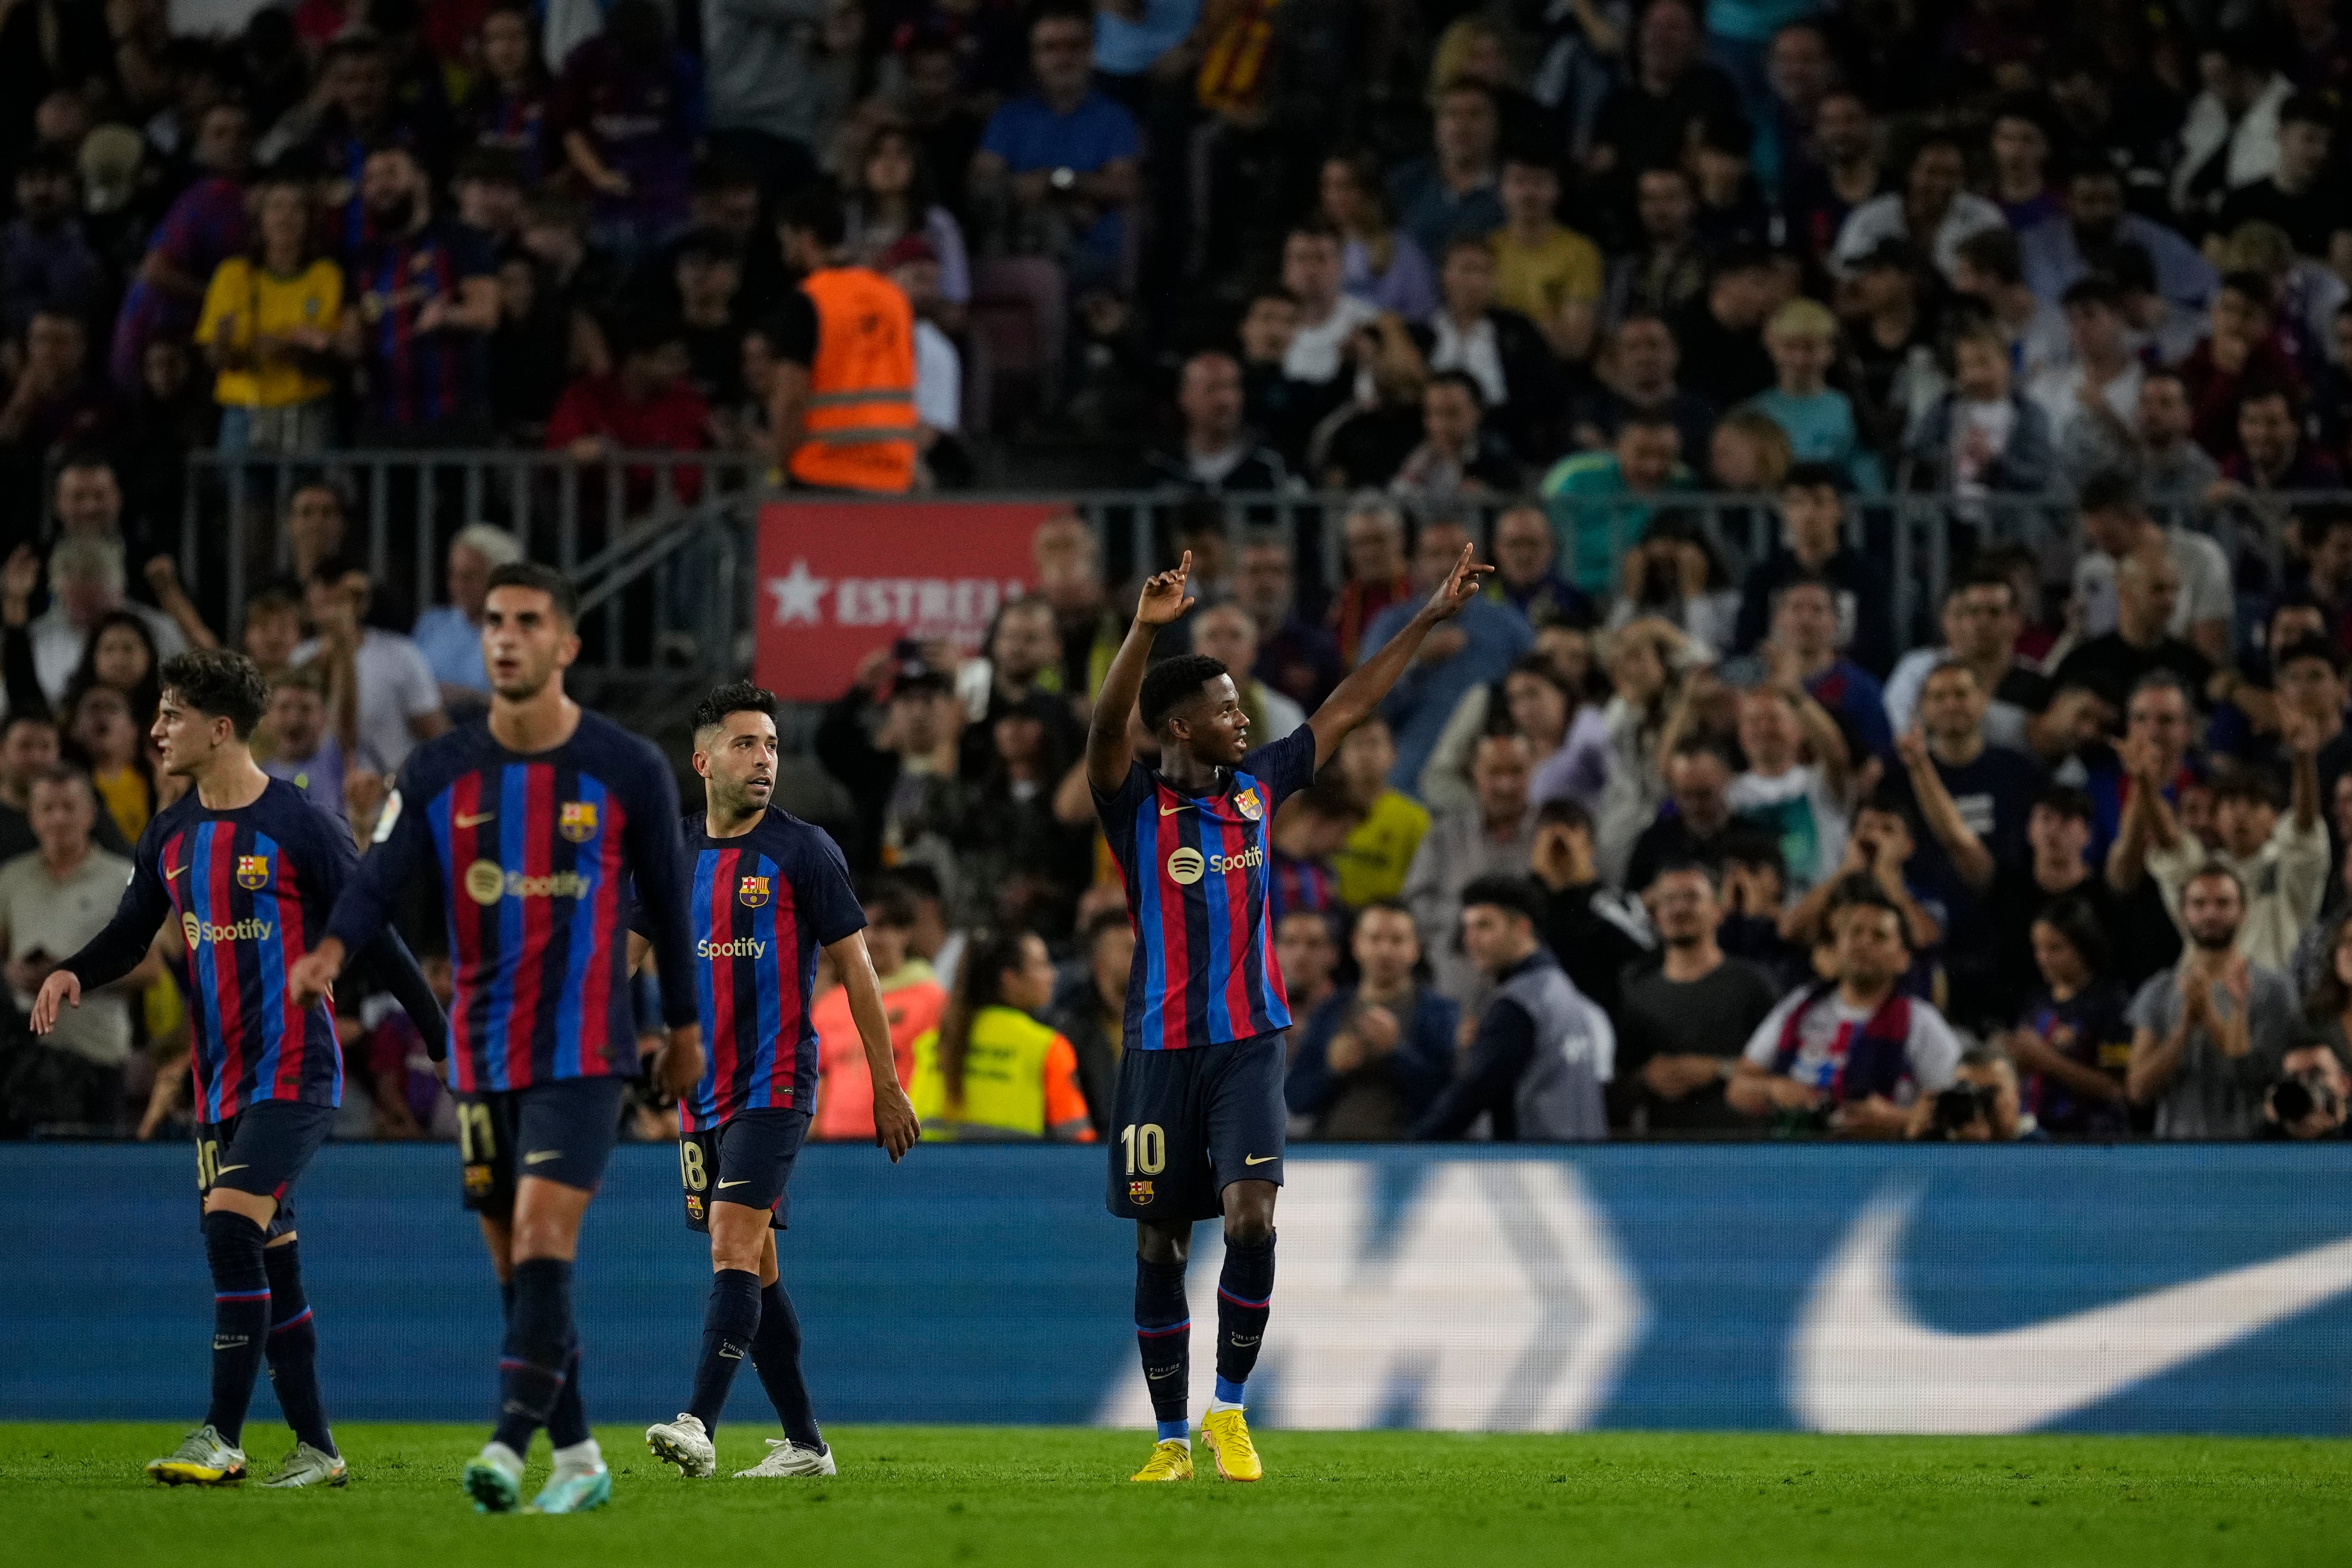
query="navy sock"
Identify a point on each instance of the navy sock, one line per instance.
(1244, 1297)
(776, 1355)
(567, 1423)
(240, 1317)
(294, 1348)
(538, 1346)
(1163, 1332)
(729, 1324)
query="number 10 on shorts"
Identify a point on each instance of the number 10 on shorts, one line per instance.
(1146, 1148)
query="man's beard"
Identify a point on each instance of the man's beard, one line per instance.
(395, 215)
(2221, 943)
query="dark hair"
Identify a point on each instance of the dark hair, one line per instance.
(918, 878)
(2248, 781)
(2330, 998)
(1461, 379)
(1752, 846)
(2109, 490)
(2068, 800)
(1515, 894)
(2129, 265)
(2252, 286)
(1171, 684)
(2309, 646)
(540, 579)
(815, 210)
(2095, 288)
(1860, 890)
(1994, 252)
(980, 983)
(1684, 865)
(1813, 476)
(1564, 812)
(143, 696)
(1101, 924)
(736, 696)
(1325, 799)
(218, 684)
(2071, 917)
(2310, 108)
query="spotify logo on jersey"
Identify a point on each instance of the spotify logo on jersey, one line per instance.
(1185, 866)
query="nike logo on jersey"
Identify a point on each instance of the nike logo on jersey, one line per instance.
(175, 870)
(476, 820)
(737, 1182)
(1259, 1159)
(1172, 810)
(540, 1156)
(1862, 1361)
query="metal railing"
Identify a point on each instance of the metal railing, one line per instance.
(660, 542)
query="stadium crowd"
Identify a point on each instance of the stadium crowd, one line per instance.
(1516, 271)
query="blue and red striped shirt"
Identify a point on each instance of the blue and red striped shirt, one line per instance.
(760, 904)
(533, 855)
(419, 380)
(251, 889)
(1198, 891)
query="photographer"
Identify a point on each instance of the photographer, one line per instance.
(1980, 1107)
(2307, 1102)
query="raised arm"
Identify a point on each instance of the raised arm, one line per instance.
(1942, 815)
(1355, 699)
(1821, 731)
(1108, 753)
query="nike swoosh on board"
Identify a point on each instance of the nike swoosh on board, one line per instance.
(1862, 1361)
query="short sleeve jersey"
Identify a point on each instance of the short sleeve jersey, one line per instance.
(533, 855)
(252, 889)
(760, 904)
(1196, 869)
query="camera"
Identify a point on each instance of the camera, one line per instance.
(1960, 1107)
(2298, 1095)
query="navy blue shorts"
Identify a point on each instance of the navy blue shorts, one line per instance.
(561, 1131)
(261, 1150)
(1188, 1123)
(746, 1159)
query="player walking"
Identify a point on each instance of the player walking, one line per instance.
(766, 892)
(532, 823)
(251, 869)
(1198, 1129)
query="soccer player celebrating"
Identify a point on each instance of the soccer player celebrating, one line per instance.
(251, 868)
(532, 823)
(766, 891)
(1200, 1115)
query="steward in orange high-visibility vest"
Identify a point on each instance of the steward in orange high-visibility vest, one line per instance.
(852, 425)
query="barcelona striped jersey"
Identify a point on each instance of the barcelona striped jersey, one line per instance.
(760, 904)
(532, 856)
(1196, 870)
(251, 889)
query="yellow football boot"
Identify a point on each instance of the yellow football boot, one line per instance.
(1170, 1461)
(1227, 1434)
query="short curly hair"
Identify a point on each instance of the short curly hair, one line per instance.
(218, 684)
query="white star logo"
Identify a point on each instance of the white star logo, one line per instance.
(799, 597)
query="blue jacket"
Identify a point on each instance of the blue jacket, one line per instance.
(1425, 697)
(1420, 1068)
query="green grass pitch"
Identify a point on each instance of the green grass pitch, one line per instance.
(74, 1494)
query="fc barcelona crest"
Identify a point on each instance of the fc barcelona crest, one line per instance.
(753, 892)
(1248, 804)
(1139, 1192)
(578, 820)
(252, 872)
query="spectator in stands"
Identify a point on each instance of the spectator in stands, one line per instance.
(1985, 436)
(2117, 524)
(303, 749)
(1676, 574)
(1452, 191)
(1023, 658)
(52, 901)
(1380, 264)
(2154, 756)
(1981, 625)
(1461, 454)
(2293, 194)
(1851, 1054)
(2240, 358)
(1229, 633)
(1893, 321)
(1313, 274)
(1092, 1012)
(1272, 400)
(1804, 635)
(1068, 564)
(450, 636)
(1637, 368)
(2019, 146)
(1060, 161)
(1545, 270)
(1473, 649)
(388, 700)
(506, 109)
(1500, 349)
(2272, 453)
(627, 109)
(486, 196)
(1295, 658)
(646, 403)
(1698, 773)
(1841, 172)
(1721, 335)
(2312, 1081)
(1373, 1058)
(1373, 539)
(1813, 544)
(1379, 849)
(2097, 230)
(426, 300)
(1524, 578)
(1681, 1025)
(1668, 268)
(105, 733)
(1803, 802)
(1542, 1055)
(1307, 953)
(205, 226)
(1933, 212)
(46, 260)
(991, 1070)
(891, 742)
(1599, 934)
(28, 749)
(86, 596)
(1218, 453)
(2174, 472)
(1990, 273)
(2231, 137)
(2093, 401)
(1648, 122)
(2281, 861)
(2073, 1041)
(1599, 502)
(912, 999)
(59, 402)
(1493, 835)
(2208, 1037)
(2113, 664)
(271, 324)
(1802, 341)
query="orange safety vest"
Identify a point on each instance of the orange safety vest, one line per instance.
(860, 430)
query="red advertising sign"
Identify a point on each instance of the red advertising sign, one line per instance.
(838, 579)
